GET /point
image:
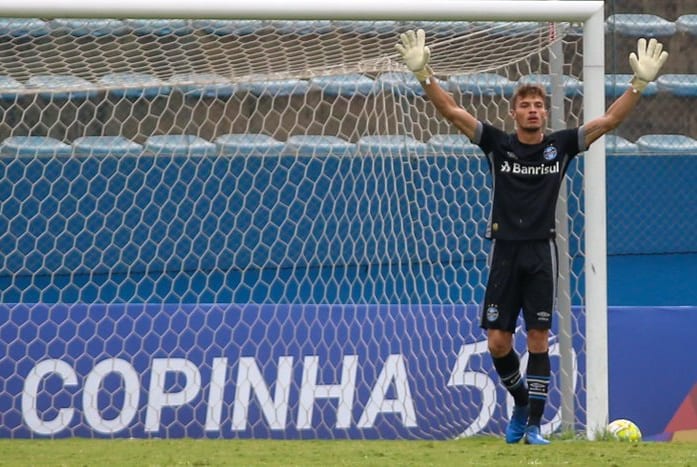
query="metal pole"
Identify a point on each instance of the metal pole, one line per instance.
(566, 364)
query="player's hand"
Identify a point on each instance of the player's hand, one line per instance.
(646, 62)
(412, 48)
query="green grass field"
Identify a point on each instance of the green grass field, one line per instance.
(483, 451)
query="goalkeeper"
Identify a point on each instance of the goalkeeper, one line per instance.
(527, 169)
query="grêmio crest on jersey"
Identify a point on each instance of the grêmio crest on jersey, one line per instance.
(550, 153)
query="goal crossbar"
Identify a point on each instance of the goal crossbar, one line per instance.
(500, 10)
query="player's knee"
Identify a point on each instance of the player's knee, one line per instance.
(498, 350)
(499, 343)
(538, 340)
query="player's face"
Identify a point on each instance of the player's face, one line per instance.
(530, 113)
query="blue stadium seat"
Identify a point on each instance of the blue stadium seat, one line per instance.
(366, 27)
(344, 85)
(62, 87)
(10, 88)
(159, 27)
(442, 28)
(521, 28)
(453, 145)
(284, 87)
(301, 27)
(105, 146)
(640, 25)
(23, 27)
(667, 144)
(687, 24)
(482, 84)
(179, 145)
(34, 146)
(401, 83)
(226, 27)
(616, 84)
(133, 85)
(390, 145)
(248, 144)
(318, 146)
(88, 27)
(202, 85)
(682, 85)
(616, 146)
(572, 86)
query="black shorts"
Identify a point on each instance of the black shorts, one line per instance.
(522, 276)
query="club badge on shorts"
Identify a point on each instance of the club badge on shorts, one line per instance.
(492, 313)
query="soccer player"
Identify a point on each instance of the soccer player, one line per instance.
(527, 168)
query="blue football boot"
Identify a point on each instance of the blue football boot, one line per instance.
(533, 436)
(516, 427)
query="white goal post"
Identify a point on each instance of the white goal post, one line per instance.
(588, 13)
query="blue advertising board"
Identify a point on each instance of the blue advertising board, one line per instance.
(271, 371)
(651, 365)
(307, 371)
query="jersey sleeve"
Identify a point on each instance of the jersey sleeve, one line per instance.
(581, 139)
(486, 135)
(571, 141)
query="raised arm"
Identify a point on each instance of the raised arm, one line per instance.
(412, 47)
(646, 64)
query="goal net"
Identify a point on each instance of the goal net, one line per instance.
(261, 228)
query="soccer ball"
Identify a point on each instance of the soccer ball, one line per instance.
(624, 430)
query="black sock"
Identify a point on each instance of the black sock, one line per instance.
(538, 382)
(508, 369)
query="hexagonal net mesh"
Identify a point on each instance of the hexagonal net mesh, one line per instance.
(195, 212)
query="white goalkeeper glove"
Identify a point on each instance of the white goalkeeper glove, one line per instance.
(412, 48)
(646, 62)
